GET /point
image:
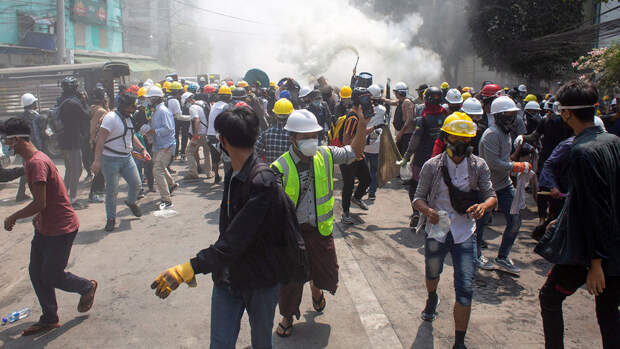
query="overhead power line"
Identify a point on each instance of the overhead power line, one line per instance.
(221, 14)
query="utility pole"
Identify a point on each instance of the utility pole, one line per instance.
(60, 32)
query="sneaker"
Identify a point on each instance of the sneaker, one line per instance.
(140, 194)
(372, 197)
(173, 187)
(359, 203)
(506, 265)
(96, 199)
(87, 299)
(135, 209)
(165, 205)
(484, 263)
(78, 205)
(109, 226)
(430, 311)
(346, 219)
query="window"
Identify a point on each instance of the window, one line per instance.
(103, 37)
(79, 34)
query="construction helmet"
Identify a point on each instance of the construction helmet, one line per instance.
(185, 96)
(459, 124)
(532, 105)
(148, 82)
(503, 104)
(472, 106)
(605, 98)
(305, 91)
(154, 91)
(224, 90)
(433, 95)
(169, 78)
(272, 84)
(466, 89)
(283, 107)
(445, 85)
(302, 121)
(176, 86)
(490, 90)
(167, 86)
(28, 99)
(454, 96)
(346, 92)
(209, 89)
(242, 104)
(157, 84)
(466, 96)
(239, 93)
(522, 88)
(230, 83)
(530, 98)
(142, 91)
(375, 91)
(233, 87)
(242, 83)
(69, 83)
(401, 88)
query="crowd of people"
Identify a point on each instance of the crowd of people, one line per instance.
(470, 153)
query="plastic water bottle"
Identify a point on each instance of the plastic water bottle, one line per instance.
(18, 315)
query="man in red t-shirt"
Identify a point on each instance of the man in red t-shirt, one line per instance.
(56, 225)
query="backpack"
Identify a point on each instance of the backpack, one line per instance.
(289, 248)
(125, 129)
(399, 120)
(206, 109)
(335, 132)
(54, 119)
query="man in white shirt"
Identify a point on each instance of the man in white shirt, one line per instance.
(455, 186)
(198, 129)
(115, 141)
(224, 96)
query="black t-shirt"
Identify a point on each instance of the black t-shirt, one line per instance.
(553, 130)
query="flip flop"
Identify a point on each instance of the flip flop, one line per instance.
(319, 305)
(39, 327)
(284, 333)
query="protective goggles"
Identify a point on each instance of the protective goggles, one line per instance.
(557, 107)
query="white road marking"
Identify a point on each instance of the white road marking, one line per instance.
(376, 324)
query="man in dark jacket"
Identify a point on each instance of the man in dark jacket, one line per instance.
(242, 261)
(75, 117)
(589, 222)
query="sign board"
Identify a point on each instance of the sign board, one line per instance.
(90, 11)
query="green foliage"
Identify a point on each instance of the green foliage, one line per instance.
(501, 34)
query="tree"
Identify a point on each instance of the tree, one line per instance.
(505, 34)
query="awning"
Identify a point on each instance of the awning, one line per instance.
(135, 65)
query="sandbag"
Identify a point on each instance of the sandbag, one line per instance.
(388, 156)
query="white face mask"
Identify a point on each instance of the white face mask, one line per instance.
(308, 147)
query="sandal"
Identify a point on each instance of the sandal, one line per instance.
(39, 327)
(319, 304)
(286, 330)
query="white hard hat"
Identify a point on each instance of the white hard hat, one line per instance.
(304, 91)
(472, 106)
(522, 88)
(169, 79)
(185, 96)
(28, 99)
(453, 96)
(154, 91)
(401, 87)
(202, 78)
(302, 121)
(532, 105)
(375, 91)
(148, 83)
(503, 104)
(613, 102)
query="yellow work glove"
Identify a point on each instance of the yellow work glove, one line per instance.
(169, 280)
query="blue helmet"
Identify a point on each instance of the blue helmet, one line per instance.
(192, 87)
(285, 94)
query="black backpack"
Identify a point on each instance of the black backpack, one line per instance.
(289, 246)
(54, 119)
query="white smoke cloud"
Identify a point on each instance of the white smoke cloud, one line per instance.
(307, 39)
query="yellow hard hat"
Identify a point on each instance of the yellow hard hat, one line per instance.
(605, 98)
(346, 92)
(530, 98)
(232, 88)
(283, 107)
(158, 84)
(167, 86)
(242, 83)
(272, 84)
(224, 90)
(175, 86)
(466, 89)
(465, 96)
(459, 124)
(142, 91)
(445, 85)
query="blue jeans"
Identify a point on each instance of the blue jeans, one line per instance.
(373, 163)
(513, 221)
(113, 168)
(463, 259)
(481, 224)
(227, 309)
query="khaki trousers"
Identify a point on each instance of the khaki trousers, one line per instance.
(162, 177)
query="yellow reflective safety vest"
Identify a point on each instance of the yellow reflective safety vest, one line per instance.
(323, 185)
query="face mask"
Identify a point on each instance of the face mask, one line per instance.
(459, 149)
(316, 104)
(308, 147)
(504, 123)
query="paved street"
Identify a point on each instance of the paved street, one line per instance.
(377, 305)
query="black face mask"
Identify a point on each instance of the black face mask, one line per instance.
(459, 149)
(504, 123)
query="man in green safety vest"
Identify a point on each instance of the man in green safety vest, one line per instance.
(307, 171)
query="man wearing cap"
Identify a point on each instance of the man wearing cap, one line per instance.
(307, 172)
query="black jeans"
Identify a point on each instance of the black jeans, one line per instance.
(88, 156)
(48, 260)
(181, 131)
(563, 281)
(403, 143)
(358, 169)
(97, 187)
